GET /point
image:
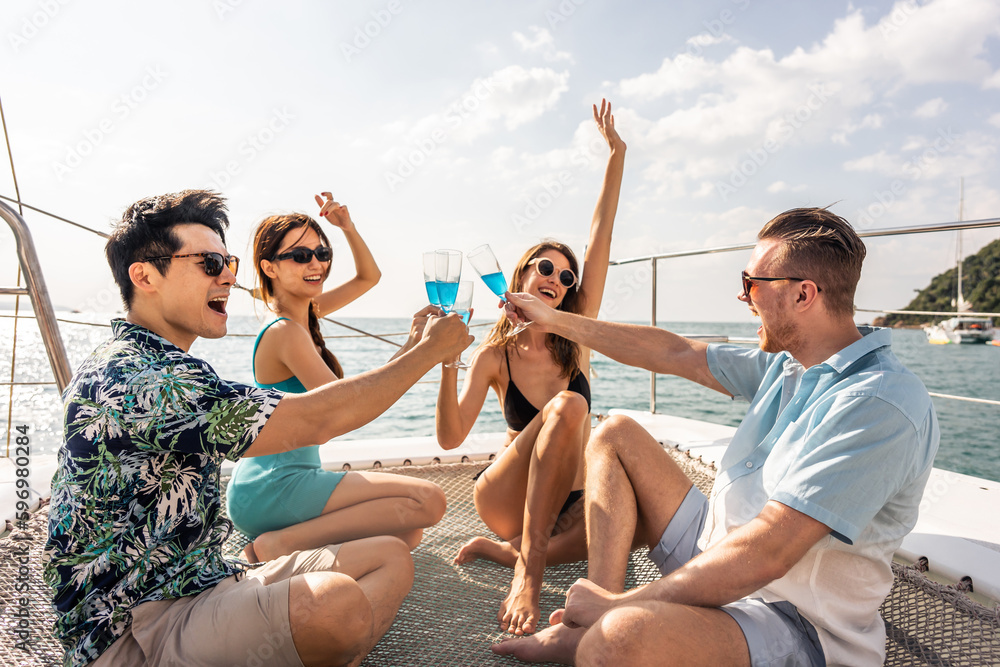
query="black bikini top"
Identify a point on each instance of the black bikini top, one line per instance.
(518, 410)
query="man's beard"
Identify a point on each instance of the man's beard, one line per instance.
(780, 337)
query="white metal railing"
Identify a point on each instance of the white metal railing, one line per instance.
(892, 231)
(39, 295)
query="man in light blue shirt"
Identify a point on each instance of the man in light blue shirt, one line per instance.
(789, 561)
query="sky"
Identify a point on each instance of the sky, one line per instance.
(450, 125)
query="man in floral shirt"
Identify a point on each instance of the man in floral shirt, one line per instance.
(136, 528)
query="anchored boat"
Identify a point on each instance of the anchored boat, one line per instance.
(961, 330)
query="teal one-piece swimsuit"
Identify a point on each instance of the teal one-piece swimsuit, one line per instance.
(276, 491)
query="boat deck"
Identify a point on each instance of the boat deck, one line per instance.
(449, 618)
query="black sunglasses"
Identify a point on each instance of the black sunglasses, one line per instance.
(213, 263)
(304, 255)
(748, 282)
(545, 268)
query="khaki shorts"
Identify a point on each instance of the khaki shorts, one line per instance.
(242, 620)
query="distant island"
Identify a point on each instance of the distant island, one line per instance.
(980, 282)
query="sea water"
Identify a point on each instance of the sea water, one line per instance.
(970, 438)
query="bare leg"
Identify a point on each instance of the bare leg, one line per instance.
(663, 634)
(337, 617)
(552, 469)
(364, 504)
(521, 493)
(633, 490)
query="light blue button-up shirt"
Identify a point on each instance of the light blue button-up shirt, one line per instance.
(849, 442)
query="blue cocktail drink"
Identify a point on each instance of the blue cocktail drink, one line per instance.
(485, 263)
(497, 283)
(432, 292)
(447, 292)
(462, 305)
(447, 272)
(430, 278)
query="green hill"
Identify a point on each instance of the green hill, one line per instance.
(980, 282)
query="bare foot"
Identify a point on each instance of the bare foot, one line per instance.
(481, 547)
(520, 611)
(555, 644)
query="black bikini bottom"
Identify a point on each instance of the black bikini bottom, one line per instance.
(570, 501)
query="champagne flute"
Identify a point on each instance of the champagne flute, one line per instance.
(430, 279)
(462, 306)
(447, 271)
(485, 263)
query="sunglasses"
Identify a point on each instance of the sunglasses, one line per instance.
(213, 261)
(748, 282)
(545, 268)
(304, 255)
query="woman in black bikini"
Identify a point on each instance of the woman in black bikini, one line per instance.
(529, 495)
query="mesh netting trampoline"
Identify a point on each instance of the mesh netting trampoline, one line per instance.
(449, 618)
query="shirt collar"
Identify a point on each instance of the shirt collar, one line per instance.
(129, 331)
(872, 338)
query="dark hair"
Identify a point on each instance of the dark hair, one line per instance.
(146, 230)
(267, 240)
(823, 247)
(565, 352)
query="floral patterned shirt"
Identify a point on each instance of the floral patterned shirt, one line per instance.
(136, 509)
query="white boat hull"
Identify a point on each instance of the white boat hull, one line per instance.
(961, 330)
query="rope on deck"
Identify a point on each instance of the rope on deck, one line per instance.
(450, 616)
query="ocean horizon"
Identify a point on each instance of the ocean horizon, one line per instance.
(969, 442)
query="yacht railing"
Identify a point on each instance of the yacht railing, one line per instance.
(891, 231)
(39, 295)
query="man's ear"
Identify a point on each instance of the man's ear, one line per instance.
(144, 276)
(807, 294)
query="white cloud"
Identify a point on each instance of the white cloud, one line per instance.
(871, 121)
(847, 81)
(781, 186)
(940, 41)
(512, 96)
(995, 120)
(542, 43)
(708, 39)
(931, 108)
(881, 162)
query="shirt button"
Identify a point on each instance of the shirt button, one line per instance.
(749, 464)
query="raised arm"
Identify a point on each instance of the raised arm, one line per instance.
(646, 347)
(595, 261)
(367, 273)
(342, 406)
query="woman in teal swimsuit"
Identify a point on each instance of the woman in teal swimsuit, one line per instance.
(533, 485)
(286, 502)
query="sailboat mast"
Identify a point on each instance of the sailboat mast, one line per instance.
(960, 302)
